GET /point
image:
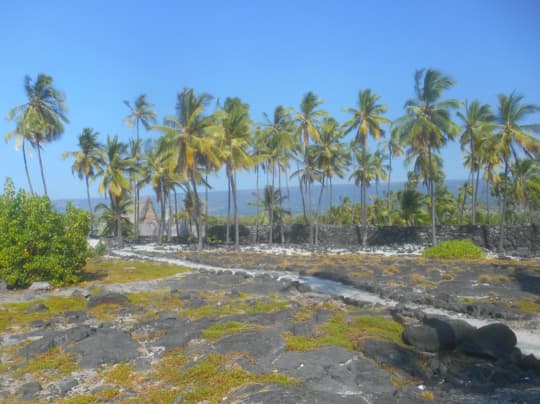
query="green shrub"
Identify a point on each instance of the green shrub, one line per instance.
(37, 243)
(454, 249)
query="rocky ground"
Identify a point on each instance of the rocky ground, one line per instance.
(265, 335)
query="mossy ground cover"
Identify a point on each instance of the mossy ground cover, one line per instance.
(103, 271)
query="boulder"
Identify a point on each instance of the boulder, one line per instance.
(496, 341)
(56, 338)
(437, 334)
(107, 298)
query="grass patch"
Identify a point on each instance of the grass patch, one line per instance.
(121, 375)
(341, 332)
(454, 249)
(105, 312)
(51, 365)
(208, 380)
(106, 271)
(218, 330)
(528, 305)
(14, 315)
(493, 278)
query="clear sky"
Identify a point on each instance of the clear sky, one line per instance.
(101, 52)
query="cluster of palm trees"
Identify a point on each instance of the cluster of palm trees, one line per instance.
(195, 143)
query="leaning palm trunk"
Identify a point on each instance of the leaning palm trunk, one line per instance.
(257, 207)
(26, 168)
(38, 147)
(228, 225)
(318, 214)
(281, 227)
(235, 211)
(197, 215)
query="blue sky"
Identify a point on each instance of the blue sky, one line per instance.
(267, 53)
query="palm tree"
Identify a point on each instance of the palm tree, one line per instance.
(428, 125)
(140, 113)
(330, 159)
(394, 147)
(512, 140)
(114, 182)
(88, 161)
(233, 144)
(307, 119)
(189, 130)
(42, 118)
(366, 120)
(477, 124)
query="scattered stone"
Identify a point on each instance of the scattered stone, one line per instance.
(27, 390)
(63, 386)
(40, 286)
(179, 332)
(37, 308)
(107, 298)
(75, 316)
(496, 341)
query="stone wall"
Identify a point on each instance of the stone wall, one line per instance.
(522, 239)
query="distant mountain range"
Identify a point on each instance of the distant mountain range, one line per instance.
(247, 198)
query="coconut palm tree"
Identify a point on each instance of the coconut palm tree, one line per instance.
(427, 126)
(115, 166)
(513, 140)
(394, 148)
(366, 120)
(308, 118)
(234, 143)
(88, 161)
(191, 132)
(143, 113)
(478, 122)
(41, 119)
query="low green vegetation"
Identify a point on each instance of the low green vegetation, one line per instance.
(107, 271)
(51, 365)
(16, 315)
(219, 330)
(37, 243)
(340, 331)
(454, 249)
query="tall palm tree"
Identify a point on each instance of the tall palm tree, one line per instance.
(189, 130)
(394, 148)
(234, 144)
(143, 113)
(308, 118)
(114, 182)
(330, 159)
(513, 138)
(427, 126)
(88, 161)
(41, 119)
(366, 120)
(478, 122)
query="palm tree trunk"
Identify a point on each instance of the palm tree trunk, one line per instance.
(473, 199)
(475, 193)
(281, 228)
(389, 216)
(206, 207)
(26, 168)
(227, 231)
(503, 209)
(319, 211)
(257, 206)
(38, 147)
(432, 198)
(235, 211)
(197, 215)
(89, 205)
(364, 199)
(176, 223)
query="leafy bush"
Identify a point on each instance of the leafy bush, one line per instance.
(37, 243)
(454, 249)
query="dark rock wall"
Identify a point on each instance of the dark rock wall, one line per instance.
(524, 240)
